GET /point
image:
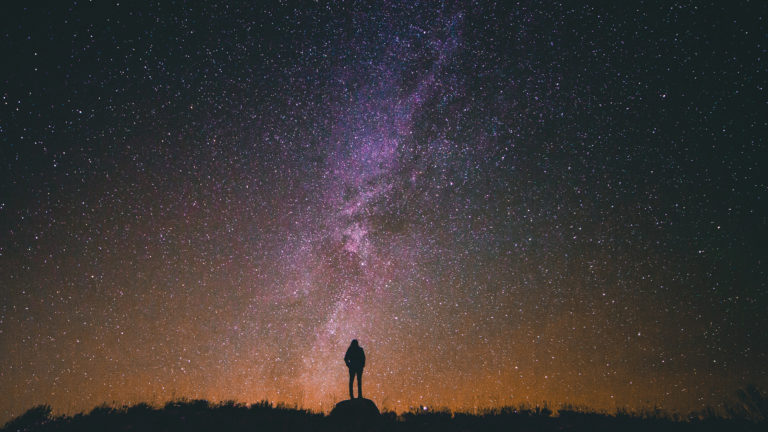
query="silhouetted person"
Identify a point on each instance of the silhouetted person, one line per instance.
(355, 360)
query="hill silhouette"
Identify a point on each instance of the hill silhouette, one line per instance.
(356, 414)
(201, 415)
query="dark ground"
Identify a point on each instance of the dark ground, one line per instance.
(200, 415)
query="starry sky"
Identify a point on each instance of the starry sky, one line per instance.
(505, 202)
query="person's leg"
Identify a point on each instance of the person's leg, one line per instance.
(360, 383)
(351, 378)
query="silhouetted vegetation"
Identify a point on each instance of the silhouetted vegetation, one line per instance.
(751, 404)
(200, 415)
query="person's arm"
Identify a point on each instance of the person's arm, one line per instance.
(346, 358)
(362, 357)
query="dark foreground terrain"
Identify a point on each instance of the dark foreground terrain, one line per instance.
(200, 415)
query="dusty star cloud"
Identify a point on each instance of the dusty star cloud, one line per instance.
(505, 203)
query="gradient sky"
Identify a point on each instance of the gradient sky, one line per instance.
(505, 203)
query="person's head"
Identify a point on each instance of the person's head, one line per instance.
(354, 343)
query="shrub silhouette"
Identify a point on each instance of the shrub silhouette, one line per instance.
(33, 419)
(751, 404)
(201, 415)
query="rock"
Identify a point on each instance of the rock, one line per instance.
(355, 415)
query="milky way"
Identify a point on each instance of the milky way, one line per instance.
(505, 204)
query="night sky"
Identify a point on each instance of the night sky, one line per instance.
(505, 203)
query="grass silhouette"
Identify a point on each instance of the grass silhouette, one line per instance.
(201, 415)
